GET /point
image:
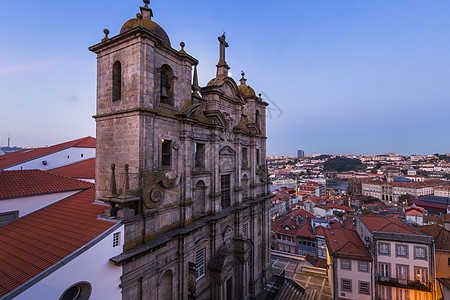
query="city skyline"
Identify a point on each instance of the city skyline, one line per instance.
(342, 77)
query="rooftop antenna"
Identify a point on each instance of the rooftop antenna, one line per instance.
(8, 140)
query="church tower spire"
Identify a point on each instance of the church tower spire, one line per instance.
(222, 67)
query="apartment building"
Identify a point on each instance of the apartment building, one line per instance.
(403, 258)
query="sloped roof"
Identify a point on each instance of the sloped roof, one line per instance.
(82, 169)
(440, 234)
(23, 183)
(24, 155)
(346, 243)
(33, 243)
(377, 223)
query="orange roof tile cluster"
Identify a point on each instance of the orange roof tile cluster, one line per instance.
(33, 243)
(82, 169)
(440, 234)
(24, 155)
(22, 183)
(387, 224)
(346, 243)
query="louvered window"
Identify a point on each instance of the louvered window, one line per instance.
(200, 257)
(116, 239)
(245, 231)
(225, 190)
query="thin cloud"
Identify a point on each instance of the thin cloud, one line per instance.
(22, 68)
(72, 98)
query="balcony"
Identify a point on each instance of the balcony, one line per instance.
(405, 284)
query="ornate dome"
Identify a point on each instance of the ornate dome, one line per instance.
(144, 20)
(245, 89)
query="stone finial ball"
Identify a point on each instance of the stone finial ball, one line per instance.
(139, 16)
(106, 31)
(182, 44)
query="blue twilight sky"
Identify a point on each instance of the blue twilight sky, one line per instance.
(343, 76)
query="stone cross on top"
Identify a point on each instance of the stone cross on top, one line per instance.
(222, 67)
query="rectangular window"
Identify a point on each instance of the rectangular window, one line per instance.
(384, 249)
(363, 266)
(116, 239)
(402, 272)
(166, 153)
(346, 285)
(244, 157)
(345, 264)
(200, 257)
(245, 230)
(402, 294)
(199, 155)
(6, 217)
(402, 250)
(257, 157)
(364, 288)
(292, 249)
(421, 274)
(385, 292)
(384, 271)
(280, 246)
(225, 191)
(420, 252)
(286, 248)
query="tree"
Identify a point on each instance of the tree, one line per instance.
(404, 199)
(342, 164)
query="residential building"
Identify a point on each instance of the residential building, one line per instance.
(350, 265)
(403, 258)
(195, 202)
(300, 154)
(441, 238)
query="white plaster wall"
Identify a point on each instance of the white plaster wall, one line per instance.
(56, 159)
(355, 276)
(26, 205)
(92, 266)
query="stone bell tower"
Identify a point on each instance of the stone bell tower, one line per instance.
(182, 167)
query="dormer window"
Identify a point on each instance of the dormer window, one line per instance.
(166, 86)
(117, 81)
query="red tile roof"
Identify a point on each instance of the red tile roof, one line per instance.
(24, 155)
(346, 243)
(386, 224)
(33, 243)
(22, 183)
(440, 234)
(82, 169)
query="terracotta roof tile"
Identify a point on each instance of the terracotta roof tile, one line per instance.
(386, 224)
(82, 169)
(440, 234)
(22, 183)
(33, 243)
(346, 243)
(24, 155)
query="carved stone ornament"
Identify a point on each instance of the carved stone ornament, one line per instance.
(176, 145)
(156, 194)
(156, 183)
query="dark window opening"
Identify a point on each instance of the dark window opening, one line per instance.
(257, 157)
(257, 117)
(117, 81)
(81, 155)
(244, 157)
(199, 155)
(166, 89)
(166, 153)
(225, 190)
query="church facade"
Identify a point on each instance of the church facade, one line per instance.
(182, 167)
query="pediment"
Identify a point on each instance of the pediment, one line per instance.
(227, 150)
(217, 117)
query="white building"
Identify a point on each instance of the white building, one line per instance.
(61, 251)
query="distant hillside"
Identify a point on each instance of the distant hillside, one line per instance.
(342, 164)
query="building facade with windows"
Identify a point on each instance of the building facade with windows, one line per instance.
(350, 265)
(403, 258)
(182, 167)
